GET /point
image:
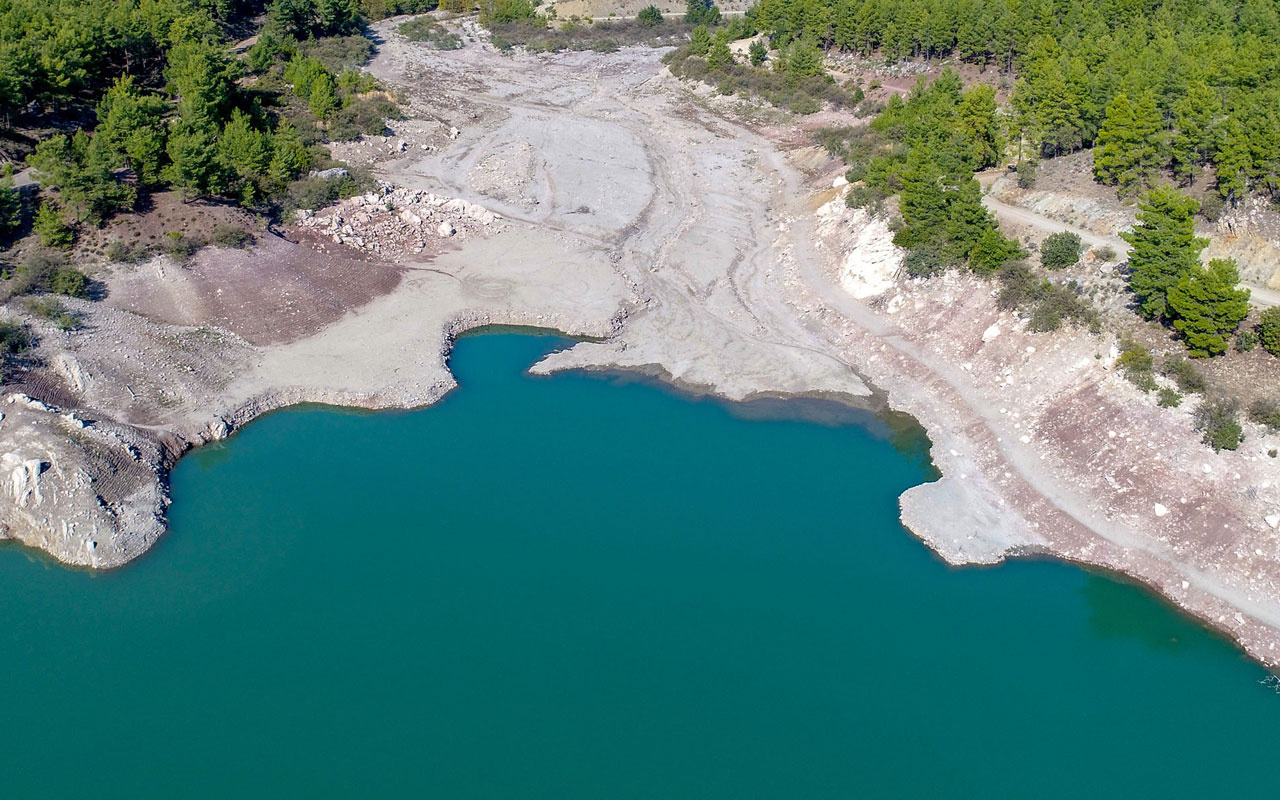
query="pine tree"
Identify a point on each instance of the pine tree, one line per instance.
(719, 55)
(245, 153)
(289, 156)
(1233, 161)
(1206, 307)
(53, 230)
(82, 176)
(803, 60)
(1164, 248)
(191, 168)
(1128, 148)
(699, 41)
(1193, 117)
(10, 206)
(1058, 118)
(1269, 330)
(323, 98)
(991, 252)
(701, 12)
(203, 76)
(977, 118)
(130, 132)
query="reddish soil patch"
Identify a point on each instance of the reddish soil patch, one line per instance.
(275, 292)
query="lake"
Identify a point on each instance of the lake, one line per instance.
(590, 587)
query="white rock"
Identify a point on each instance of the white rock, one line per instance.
(991, 332)
(218, 428)
(34, 405)
(1273, 520)
(24, 478)
(446, 229)
(1160, 510)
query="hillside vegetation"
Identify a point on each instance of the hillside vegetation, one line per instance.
(1153, 84)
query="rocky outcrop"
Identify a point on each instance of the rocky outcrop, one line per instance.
(88, 493)
(397, 221)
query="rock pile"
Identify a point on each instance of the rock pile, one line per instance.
(398, 221)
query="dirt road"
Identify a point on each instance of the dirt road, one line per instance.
(1259, 296)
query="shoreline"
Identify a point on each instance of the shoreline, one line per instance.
(706, 258)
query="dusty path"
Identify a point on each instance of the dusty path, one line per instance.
(1259, 296)
(1022, 216)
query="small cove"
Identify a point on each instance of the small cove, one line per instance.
(585, 587)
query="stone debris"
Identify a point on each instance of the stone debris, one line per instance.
(22, 399)
(396, 221)
(336, 172)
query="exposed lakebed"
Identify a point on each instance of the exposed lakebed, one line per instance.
(583, 587)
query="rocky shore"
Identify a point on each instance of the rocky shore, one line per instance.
(596, 195)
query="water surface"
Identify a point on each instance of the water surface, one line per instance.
(578, 587)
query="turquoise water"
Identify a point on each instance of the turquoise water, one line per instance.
(579, 587)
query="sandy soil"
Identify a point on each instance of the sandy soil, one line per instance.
(695, 248)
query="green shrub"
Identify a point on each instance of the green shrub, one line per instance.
(1266, 412)
(231, 236)
(866, 197)
(37, 272)
(1219, 420)
(180, 246)
(339, 53)
(431, 33)
(52, 309)
(649, 16)
(1168, 398)
(313, 193)
(54, 232)
(500, 11)
(1269, 330)
(1189, 379)
(363, 116)
(1057, 304)
(925, 262)
(1105, 254)
(1019, 286)
(1138, 366)
(1026, 174)
(124, 253)
(14, 337)
(1212, 206)
(69, 281)
(1060, 250)
(992, 251)
(1246, 340)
